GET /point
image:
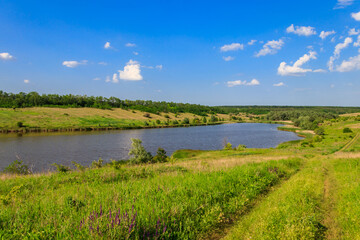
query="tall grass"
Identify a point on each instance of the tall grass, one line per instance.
(167, 203)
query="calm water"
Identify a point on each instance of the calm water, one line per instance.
(40, 151)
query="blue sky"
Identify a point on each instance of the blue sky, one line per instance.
(206, 52)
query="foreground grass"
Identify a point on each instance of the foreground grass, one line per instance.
(290, 212)
(172, 204)
(347, 195)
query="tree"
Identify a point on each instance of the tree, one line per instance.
(138, 152)
(160, 156)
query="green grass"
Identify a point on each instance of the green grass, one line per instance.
(347, 194)
(174, 204)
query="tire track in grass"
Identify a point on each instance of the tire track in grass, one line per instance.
(349, 144)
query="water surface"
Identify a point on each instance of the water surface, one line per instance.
(39, 151)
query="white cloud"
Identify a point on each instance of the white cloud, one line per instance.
(130, 45)
(356, 16)
(357, 43)
(253, 82)
(232, 47)
(324, 34)
(160, 67)
(6, 56)
(97, 79)
(296, 69)
(115, 78)
(338, 48)
(301, 31)
(131, 72)
(73, 64)
(343, 3)
(280, 84)
(26, 81)
(135, 53)
(252, 42)
(353, 31)
(353, 63)
(271, 47)
(228, 58)
(107, 45)
(107, 79)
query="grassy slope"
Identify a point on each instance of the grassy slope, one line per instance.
(54, 118)
(198, 192)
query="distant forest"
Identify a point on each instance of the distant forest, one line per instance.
(33, 99)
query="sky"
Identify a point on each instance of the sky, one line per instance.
(256, 52)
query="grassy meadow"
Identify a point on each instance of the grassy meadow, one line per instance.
(305, 189)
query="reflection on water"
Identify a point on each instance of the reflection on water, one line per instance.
(40, 150)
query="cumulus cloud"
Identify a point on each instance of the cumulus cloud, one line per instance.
(356, 16)
(296, 69)
(271, 47)
(228, 58)
(252, 42)
(301, 31)
(343, 3)
(232, 47)
(280, 84)
(338, 48)
(73, 64)
(130, 45)
(353, 63)
(107, 45)
(353, 31)
(324, 34)
(253, 82)
(131, 72)
(6, 56)
(26, 81)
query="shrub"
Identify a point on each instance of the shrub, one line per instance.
(97, 164)
(240, 147)
(158, 121)
(61, 168)
(17, 167)
(185, 121)
(175, 122)
(213, 118)
(166, 116)
(319, 131)
(228, 146)
(19, 124)
(347, 130)
(78, 166)
(317, 138)
(147, 115)
(160, 156)
(146, 123)
(204, 120)
(138, 152)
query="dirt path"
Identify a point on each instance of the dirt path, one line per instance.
(349, 144)
(333, 231)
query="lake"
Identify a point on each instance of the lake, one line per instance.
(39, 151)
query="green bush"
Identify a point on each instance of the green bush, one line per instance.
(158, 121)
(347, 130)
(185, 121)
(160, 156)
(97, 164)
(240, 147)
(78, 166)
(20, 124)
(61, 168)
(17, 167)
(138, 153)
(319, 131)
(228, 146)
